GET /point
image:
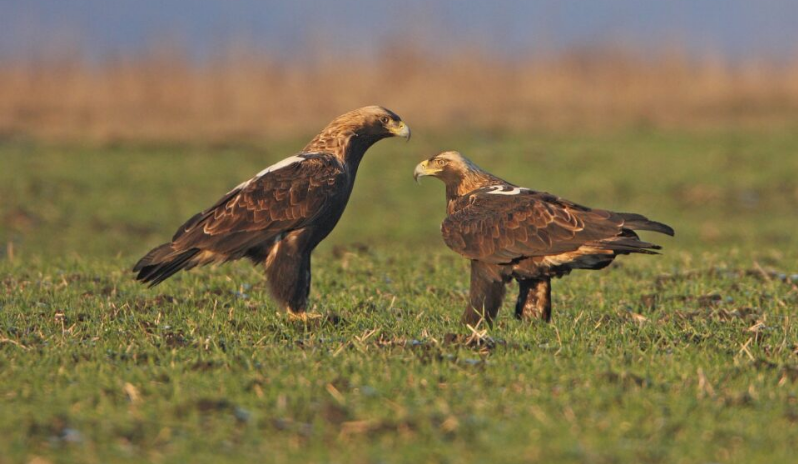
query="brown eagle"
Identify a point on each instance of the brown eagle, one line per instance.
(510, 232)
(279, 216)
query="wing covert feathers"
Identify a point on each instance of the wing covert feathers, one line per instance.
(248, 220)
(505, 228)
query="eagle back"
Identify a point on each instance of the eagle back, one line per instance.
(289, 195)
(501, 223)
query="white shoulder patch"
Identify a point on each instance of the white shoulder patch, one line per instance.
(291, 160)
(281, 164)
(499, 190)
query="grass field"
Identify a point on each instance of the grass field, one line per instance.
(691, 356)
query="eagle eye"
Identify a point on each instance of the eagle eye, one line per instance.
(385, 119)
(440, 162)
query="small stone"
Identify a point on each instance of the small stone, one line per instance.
(241, 414)
(69, 435)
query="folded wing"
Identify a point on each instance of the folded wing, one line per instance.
(506, 225)
(248, 219)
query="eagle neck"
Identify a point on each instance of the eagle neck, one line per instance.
(451, 198)
(465, 183)
(354, 148)
(347, 146)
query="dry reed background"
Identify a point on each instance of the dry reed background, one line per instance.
(163, 96)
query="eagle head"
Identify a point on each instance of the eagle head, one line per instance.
(374, 122)
(349, 136)
(459, 173)
(447, 166)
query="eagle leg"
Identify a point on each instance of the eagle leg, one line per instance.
(486, 293)
(288, 273)
(534, 299)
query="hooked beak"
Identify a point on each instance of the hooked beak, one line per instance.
(420, 171)
(401, 130)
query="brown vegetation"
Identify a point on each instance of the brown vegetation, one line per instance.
(246, 96)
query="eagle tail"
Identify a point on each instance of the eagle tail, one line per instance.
(163, 262)
(629, 242)
(639, 222)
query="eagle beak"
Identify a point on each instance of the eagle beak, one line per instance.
(420, 171)
(401, 130)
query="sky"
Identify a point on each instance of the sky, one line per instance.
(106, 28)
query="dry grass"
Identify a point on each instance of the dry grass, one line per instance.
(163, 96)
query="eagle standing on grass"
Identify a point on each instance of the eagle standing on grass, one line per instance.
(510, 232)
(279, 216)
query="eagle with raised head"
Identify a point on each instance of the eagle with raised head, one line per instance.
(279, 216)
(510, 232)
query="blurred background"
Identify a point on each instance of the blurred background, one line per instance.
(209, 69)
(659, 106)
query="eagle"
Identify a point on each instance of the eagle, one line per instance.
(510, 232)
(281, 214)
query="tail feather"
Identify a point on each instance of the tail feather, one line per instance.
(163, 262)
(639, 222)
(629, 244)
(157, 254)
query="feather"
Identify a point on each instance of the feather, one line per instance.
(161, 270)
(639, 222)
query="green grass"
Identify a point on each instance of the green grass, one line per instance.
(691, 356)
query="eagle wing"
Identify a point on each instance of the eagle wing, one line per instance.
(286, 196)
(500, 224)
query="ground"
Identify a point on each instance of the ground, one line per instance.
(691, 356)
